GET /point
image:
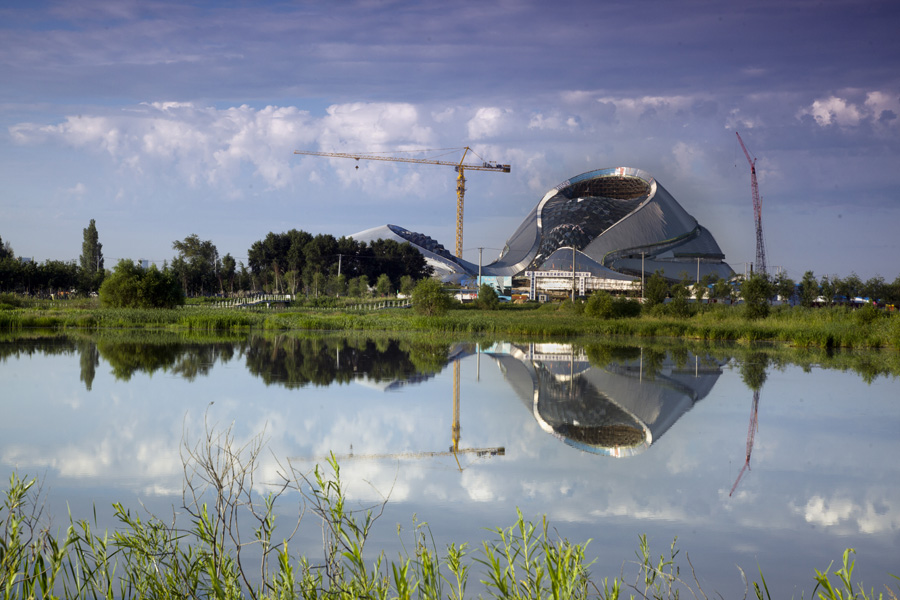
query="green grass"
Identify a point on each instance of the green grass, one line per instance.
(819, 328)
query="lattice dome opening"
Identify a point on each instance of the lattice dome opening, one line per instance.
(606, 436)
(618, 187)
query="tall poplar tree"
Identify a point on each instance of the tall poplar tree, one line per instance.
(91, 259)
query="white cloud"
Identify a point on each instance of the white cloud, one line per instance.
(833, 110)
(873, 515)
(634, 108)
(879, 107)
(884, 107)
(373, 127)
(78, 190)
(487, 122)
(687, 160)
(827, 513)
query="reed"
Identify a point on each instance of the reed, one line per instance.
(147, 557)
(836, 327)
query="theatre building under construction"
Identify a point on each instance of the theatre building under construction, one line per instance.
(599, 230)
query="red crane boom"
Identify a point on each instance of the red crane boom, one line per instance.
(757, 210)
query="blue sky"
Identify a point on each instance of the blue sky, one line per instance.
(162, 119)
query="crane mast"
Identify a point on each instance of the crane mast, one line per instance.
(460, 167)
(757, 210)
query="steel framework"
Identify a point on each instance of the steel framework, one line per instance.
(757, 210)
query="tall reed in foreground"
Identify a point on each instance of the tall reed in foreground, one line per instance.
(222, 545)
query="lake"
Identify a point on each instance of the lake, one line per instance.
(758, 458)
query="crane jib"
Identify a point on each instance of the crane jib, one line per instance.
(459, 167)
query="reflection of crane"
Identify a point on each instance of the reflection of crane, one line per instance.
(751, 433)
(757, 210)
(454, 450)
(460, 179)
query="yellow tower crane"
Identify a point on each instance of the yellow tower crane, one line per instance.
(460, 167)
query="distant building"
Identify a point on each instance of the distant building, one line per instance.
(599, 230)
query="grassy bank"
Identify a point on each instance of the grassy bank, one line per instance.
(819, 328)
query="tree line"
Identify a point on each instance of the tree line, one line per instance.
(293, 262)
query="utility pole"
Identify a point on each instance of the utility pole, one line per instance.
(479, 267)
(573, 274)
(642, 277)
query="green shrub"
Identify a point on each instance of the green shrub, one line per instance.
(600, 305)
(626, 308)
(866, 314)
(487, 298)
(131, 286)
(430, 299)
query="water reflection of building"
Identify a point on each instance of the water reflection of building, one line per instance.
(619, 409)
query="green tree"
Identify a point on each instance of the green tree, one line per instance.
(487, 297)
(337, 285)
(130, 286)
(6, 250)
(755, 292)
(785, 288)
(353, 287)
(91, 261)
(701, 289)
(849, 287)
(429, 298)
(383, 285)
(722, 290)
(197, 265)
(874, 288)
(407, 284)
(657, 289)
(363, 283)
(827, 287)
(599, 305)
(229, 267)
(892, 293)
(809, 289)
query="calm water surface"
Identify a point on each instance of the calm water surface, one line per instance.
(609, 441)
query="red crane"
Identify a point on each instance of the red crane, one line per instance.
(757, 210)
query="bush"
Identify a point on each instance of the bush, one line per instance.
(131, 286)
(626, 308)
(487, 298)
(600, 305)
(10, 302)
(430, 299)
(865, 314)
(756, 292)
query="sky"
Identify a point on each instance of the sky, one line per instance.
(162, 119)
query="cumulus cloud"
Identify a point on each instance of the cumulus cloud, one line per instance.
(646, 106)
(833, 110)
(877, 106)
(210, 145)
(488, 122)
(875, 514)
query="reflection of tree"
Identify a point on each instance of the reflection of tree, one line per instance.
(600, 355)
(187, 359)
(90, 360)
(296, 362)
(753, 370)
(14, 347)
